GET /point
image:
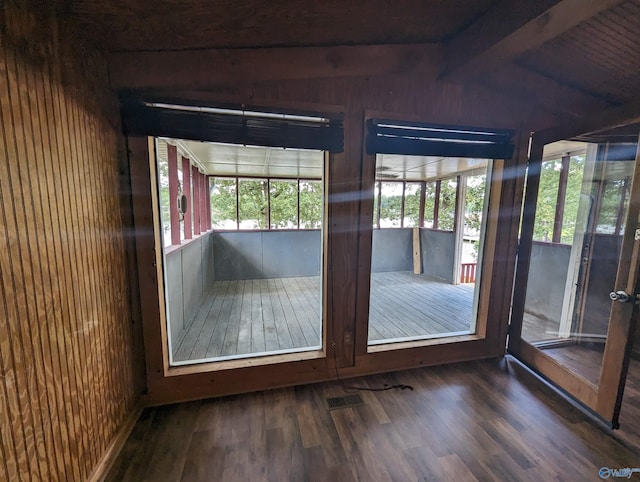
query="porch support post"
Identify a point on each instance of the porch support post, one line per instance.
(196, 200)
(379, 187)
(203, 203)
(186, 189)
(458, 225)
(423, 197)
(436, 204)
(404, 191)
(208, 186)
(174, 216)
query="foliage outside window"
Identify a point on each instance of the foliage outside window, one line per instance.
(550, 178)
(266, 204)
(283, 204)
(223, 203)
(615, 196)
(252, 203)
(376, 201)
(397, 204)
(572, 200)
(390, 204)
(547, 200)
(165, 215)
(310, 204)
(412, 193)
(447, 210)
(181, 181)
(474, 205)
(429, 203)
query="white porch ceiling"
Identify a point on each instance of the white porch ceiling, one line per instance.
(422, 168)
(234, 160)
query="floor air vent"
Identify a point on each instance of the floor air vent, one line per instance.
(344, 402)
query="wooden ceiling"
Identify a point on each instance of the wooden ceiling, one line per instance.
(197, 24)
(569, 57)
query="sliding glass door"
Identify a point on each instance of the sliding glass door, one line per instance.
(575, 295)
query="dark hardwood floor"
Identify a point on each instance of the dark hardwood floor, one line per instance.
(483, 420)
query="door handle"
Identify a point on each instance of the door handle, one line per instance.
(620, 296)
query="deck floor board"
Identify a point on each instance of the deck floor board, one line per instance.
(256, 316)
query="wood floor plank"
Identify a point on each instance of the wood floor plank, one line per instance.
(270, 330)
(230, 343)
(309, 320)
(257, 321)
(469, 421)
(199, 341)
(244, 325)
(216, 342)
(290, 315)
(285, 340)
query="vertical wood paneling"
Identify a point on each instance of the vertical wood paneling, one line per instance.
(67, 352)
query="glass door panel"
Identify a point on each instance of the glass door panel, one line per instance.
(579, 256)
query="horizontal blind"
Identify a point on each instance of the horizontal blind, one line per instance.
(233, 127)
(419, 139)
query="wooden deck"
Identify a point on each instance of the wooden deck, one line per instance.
(404, 305)
(284, 314)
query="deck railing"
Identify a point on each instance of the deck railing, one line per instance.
(468, 273)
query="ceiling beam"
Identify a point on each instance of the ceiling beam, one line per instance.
(469, 54)
(607, 119)
(543, 91)
(199, 69)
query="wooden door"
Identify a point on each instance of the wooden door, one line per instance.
(575, 306)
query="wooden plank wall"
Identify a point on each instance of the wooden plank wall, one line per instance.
(68, 380)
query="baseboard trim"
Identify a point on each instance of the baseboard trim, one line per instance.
(110, 455)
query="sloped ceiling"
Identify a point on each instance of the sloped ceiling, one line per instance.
(569, 57)
(192, 24)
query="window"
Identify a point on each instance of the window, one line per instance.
(252, 203)
(223, 203)
(266, 204)
(396, 204)
(615, 200)
(391, 204)
(547, 198)
(431, 195)
(559, 197)
(283, 204)
(310, 193)
(412, 194)
(447, 204)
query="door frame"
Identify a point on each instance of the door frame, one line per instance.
(605, 398)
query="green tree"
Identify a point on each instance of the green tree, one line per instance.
(412, 204)
(547, 199)
(474, 203)
(390, 204)
(447, 211)
(572, 199)
(284, 204)
(429, 203)
(311, 204)
(223, 203)
(252, 203)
